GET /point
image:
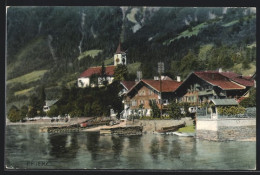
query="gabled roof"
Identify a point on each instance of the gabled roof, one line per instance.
(50, 102)
(224, 102)
(110, 70)
(128, 84)
(217, 79)
(243, 80)
(167, 85)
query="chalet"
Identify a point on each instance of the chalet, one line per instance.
(126, 86)
(84, 79)
(150, 90)
(200, 87)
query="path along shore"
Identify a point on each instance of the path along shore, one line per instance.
(47, 122)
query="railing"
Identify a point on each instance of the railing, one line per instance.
(202, 113)
(249, 113)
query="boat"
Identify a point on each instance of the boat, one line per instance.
(171, 128)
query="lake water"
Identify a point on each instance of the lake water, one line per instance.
(27, 148)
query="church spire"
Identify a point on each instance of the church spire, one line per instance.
(118, 50)
(119, 56)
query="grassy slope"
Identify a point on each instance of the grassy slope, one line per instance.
(24, 92)
(187, 33)
(132, 68)
(187, 129)
(27, 78)
(91, 53)
(230, 23)
(109, 61)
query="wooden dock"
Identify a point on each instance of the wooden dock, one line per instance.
(76, 127)
(129, 130)
(60, 129)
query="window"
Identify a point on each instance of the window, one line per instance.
(165, 101)
(141, 93)
(133, 103)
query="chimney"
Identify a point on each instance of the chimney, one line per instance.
(156, 78)
(220, 70)
(178, 79)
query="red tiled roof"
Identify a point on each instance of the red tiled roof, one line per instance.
(96, 70)
(217, 79)
(167, 85)
(243, 80)
(128, 84)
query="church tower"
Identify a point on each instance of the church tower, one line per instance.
(119, 56)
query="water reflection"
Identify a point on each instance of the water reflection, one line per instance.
(93, 144)
(154, 148)
(64, 145)
(118, 144)
(148, 151)
(175, 150)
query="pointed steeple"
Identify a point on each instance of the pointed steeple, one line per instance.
(118, 50)
(119, 56)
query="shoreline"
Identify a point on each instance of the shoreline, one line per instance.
(47, 122)
(98, 128)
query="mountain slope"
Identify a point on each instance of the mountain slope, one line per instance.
(67, 40)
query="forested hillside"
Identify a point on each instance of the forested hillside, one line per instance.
(51, 46)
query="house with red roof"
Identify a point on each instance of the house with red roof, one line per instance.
(202, 86)
(145, 91)
(84, 79)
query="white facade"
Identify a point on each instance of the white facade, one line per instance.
(83, 82)
(119, 58)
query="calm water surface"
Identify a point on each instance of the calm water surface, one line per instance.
(27, 148)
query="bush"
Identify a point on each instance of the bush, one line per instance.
(251, 100)
(14, 114)
(233, 110)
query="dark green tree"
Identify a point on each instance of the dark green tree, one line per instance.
(155, 109)
(103, 75)
(121, 72)
(94, 80)
(174, 110)
(188, 64)
(53, 112)
(23, 111)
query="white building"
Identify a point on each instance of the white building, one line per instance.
(84, 79)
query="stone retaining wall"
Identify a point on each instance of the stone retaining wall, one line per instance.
(226, 129)
(150, 126)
